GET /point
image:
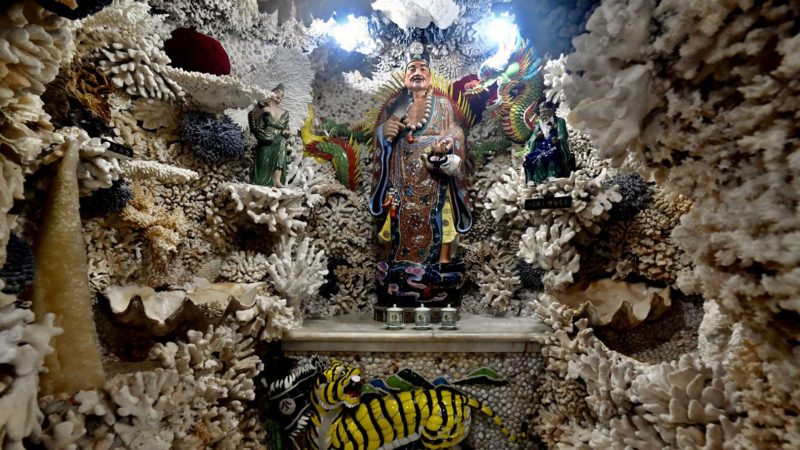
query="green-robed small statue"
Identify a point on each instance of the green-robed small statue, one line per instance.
(270, 124)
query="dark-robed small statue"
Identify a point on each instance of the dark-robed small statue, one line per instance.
(548, 152)
(269, 122)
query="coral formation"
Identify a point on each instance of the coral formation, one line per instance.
(548, 243)
(34, 43)
(297, 270)
(23, 346)
(213, 17)
(152, 170)
(419, 14)
(195, 399)
(18, 270)
(269, 319)
(165, 231)
(74, 9)
(214, 140)
(680, 95)
(133, 69)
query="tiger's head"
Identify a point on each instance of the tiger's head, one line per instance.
(339, 385)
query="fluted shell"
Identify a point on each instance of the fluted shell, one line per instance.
(161, 312)
(618, 304)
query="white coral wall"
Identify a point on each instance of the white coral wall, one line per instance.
(686, 92)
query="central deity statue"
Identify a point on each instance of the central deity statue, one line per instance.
(419, 192)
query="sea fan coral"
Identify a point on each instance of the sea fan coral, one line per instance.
(530, 276)
(636, 194)
(18, 270)
(214, 140)
(108, 200)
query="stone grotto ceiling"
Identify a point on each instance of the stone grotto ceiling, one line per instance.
(550, 24)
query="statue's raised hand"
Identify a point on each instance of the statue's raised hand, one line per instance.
(391, 128)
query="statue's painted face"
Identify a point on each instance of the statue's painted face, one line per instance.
(418, 76)
(546, 112)
(278, 95)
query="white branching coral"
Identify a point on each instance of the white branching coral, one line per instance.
(244, 267)
(97, 169)
(297, 269)
(215, 93)
(344, 224)
(211, 16)
(114, 256)
(286, 210)
(681, 404)
(222, 361)
(23, 346)
(562, 410)
(549, 247)
(316, 180)
(139, 74)
(128, 43)
(195, 400)
(152, 170)
(269, 319)
(494, 269)
(684, 398)
(126, 22)
(621, 98)
(555, 80)
(283, 210)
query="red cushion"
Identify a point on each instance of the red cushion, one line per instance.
(197, 52)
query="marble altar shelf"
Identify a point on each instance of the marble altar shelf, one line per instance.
(359, 333)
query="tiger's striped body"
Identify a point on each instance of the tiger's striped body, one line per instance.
(438, 417)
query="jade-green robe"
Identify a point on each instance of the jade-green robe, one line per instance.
(271, 148)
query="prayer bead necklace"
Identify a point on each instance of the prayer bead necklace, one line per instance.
(423, 122)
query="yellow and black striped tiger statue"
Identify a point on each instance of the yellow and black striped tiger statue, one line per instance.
(439, 417)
